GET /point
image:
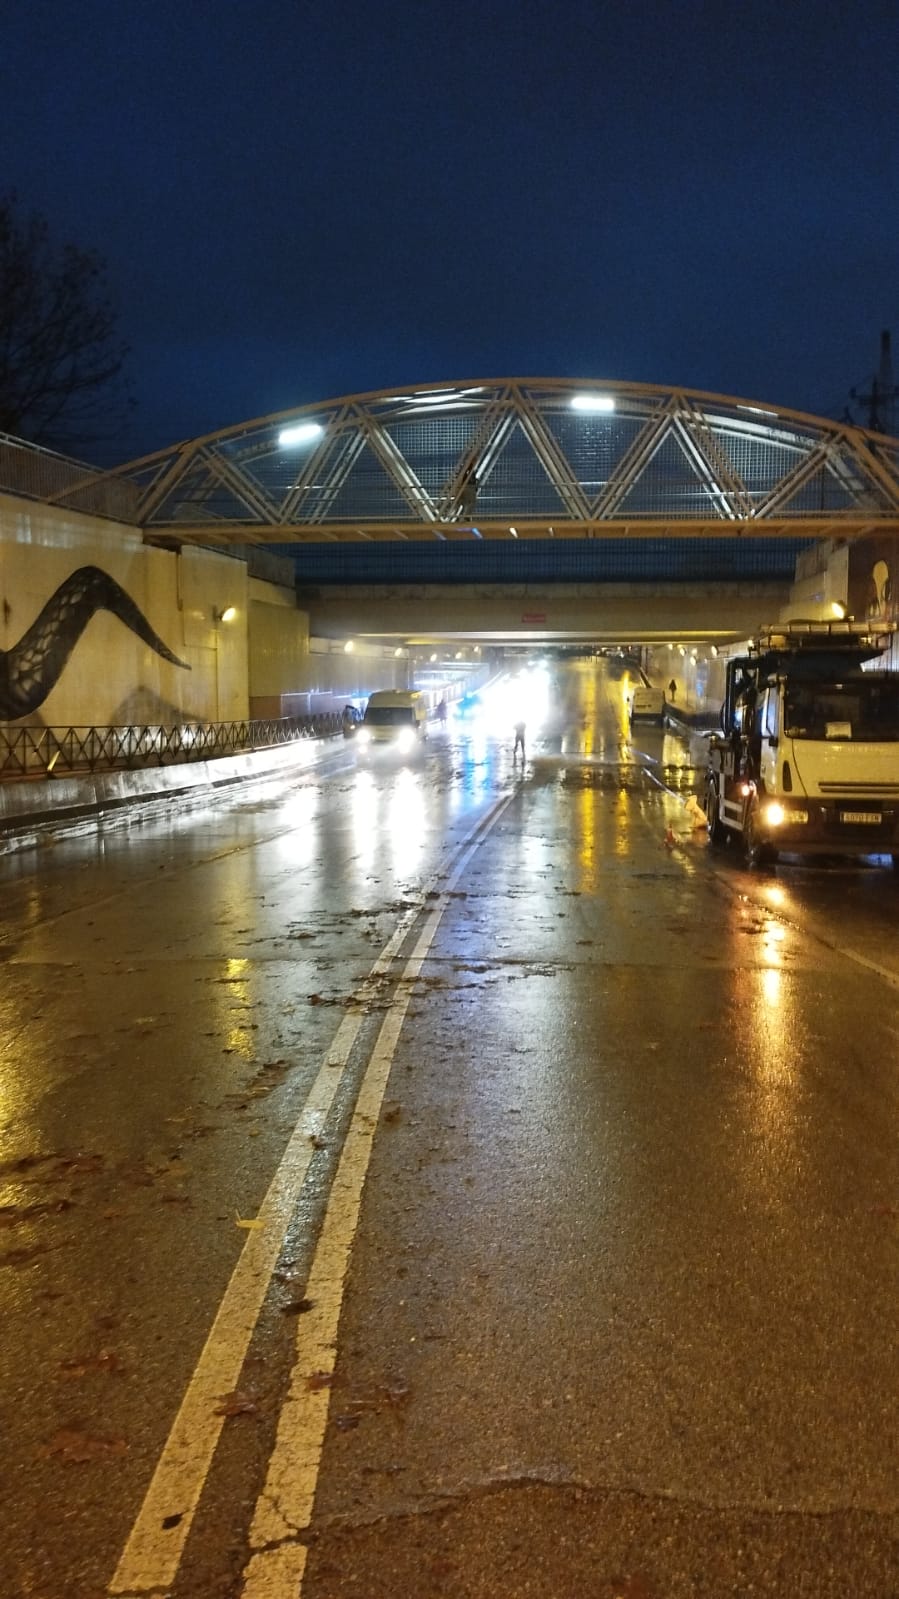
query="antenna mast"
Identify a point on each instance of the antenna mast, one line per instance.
(881, 400)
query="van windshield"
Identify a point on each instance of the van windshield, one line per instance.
(389, 716)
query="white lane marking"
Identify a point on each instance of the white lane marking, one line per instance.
(284, 1508)
(153, 1552)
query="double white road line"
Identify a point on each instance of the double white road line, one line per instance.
(153, 1552)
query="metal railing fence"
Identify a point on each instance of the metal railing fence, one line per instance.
(47, 751)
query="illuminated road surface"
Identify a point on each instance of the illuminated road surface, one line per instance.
(449, 1179)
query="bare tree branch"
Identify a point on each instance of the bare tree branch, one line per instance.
(61, 361)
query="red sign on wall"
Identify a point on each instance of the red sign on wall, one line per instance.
(534, 616)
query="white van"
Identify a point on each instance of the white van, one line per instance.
(647, 705)
(396, 717)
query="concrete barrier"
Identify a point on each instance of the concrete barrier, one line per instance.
(32, 810)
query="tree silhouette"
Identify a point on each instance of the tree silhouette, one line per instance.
(62, 380)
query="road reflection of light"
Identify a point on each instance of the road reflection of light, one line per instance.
(623, 809)
(300, 809)
(406, 819)
(234, 979)
(364, 809)
(587, 854)
(772, 987)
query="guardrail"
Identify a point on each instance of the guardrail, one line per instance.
(47, 751)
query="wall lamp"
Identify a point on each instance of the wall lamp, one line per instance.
(226, 615)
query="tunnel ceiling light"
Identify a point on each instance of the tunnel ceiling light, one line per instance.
(302, 433)
(348, 647)
(592, 402)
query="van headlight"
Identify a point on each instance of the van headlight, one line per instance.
(405, 738)
(363, 736)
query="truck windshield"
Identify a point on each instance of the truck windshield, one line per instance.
(863, 709)
(389, 716)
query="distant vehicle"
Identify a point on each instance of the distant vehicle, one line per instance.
(807, 760)
(647, 705)
(350, 720)
(394, 717)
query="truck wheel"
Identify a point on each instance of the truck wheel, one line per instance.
(717, 829)
(759, 851)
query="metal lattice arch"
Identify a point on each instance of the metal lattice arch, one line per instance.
(522, 458)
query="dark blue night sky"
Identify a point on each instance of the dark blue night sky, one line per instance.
(299, 201)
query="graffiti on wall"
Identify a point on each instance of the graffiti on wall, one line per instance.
(33, 667)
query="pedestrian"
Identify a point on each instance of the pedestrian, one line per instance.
(468, 495)
(672, 691)
(519, 740)
(441, 711)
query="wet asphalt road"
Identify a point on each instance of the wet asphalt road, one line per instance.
(554, 1162)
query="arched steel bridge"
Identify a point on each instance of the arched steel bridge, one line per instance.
(522, 458)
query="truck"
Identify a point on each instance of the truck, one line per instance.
(807, 758)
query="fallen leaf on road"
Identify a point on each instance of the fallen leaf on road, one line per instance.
(297, 1307)
(237, 1404)
(317, 1380)
(76, 1448)
(80, 1365)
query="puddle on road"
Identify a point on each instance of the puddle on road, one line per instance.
(618, 776)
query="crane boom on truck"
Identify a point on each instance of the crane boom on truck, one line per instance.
(807, 760)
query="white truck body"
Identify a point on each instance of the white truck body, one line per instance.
(808, 757)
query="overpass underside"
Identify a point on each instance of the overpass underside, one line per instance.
(516, 615)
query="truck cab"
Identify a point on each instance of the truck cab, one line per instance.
(807, 760)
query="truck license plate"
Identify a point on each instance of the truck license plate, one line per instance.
(873, 817)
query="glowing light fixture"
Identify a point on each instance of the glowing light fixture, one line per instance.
(348, 647)
(838, 610)
(302, 433)
(226, 615)
(592, 402)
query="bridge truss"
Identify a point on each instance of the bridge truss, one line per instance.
(522, 458)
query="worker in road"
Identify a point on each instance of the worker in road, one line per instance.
(519, 741)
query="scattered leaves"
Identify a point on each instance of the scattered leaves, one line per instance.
(78, 1448)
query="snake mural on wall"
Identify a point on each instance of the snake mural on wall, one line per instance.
(34, 666)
